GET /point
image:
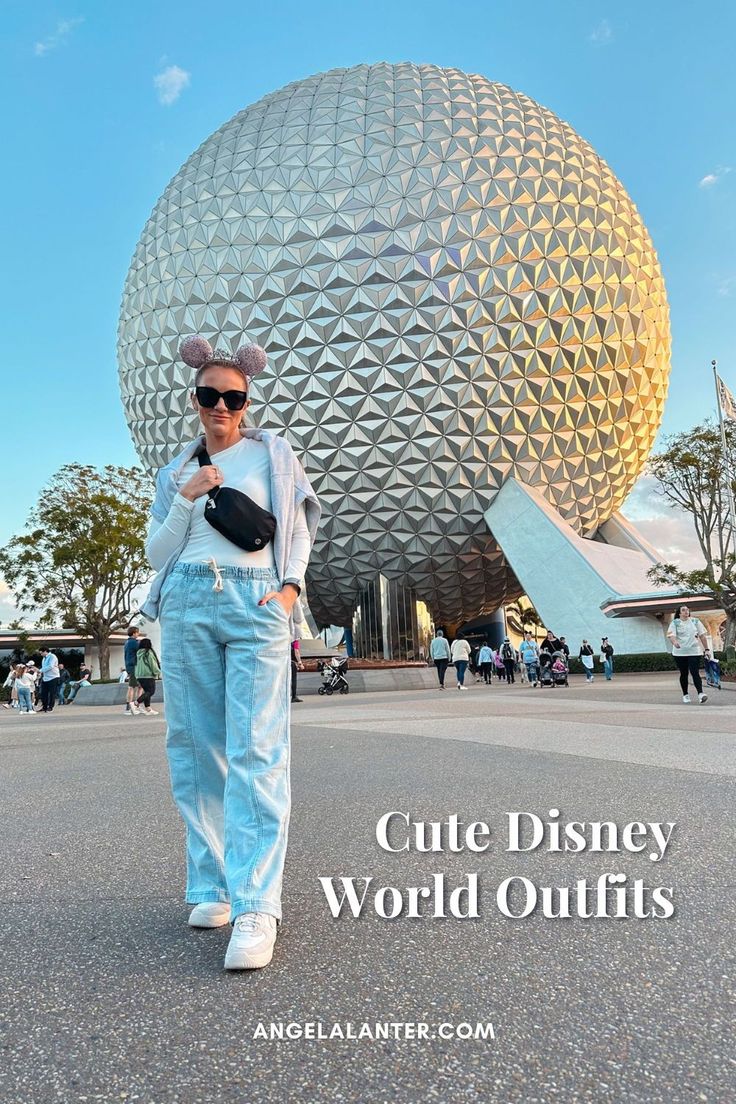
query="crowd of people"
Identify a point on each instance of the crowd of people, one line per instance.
(548, 663)
(35, 689)
(530, 661)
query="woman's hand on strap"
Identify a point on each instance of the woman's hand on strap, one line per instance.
(202, 482)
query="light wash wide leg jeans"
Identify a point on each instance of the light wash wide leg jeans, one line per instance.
(225, 664)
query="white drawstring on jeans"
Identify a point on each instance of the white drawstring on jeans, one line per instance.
(212, 562)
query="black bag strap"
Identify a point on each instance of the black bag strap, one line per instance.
(204, 459)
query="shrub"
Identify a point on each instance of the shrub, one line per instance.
(644, 661)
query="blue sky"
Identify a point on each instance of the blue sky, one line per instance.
(90, 143)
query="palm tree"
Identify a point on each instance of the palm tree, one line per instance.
(521, 615)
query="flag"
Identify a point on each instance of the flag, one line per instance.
(728, 402)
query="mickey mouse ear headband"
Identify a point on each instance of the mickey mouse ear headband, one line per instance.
(197, 352)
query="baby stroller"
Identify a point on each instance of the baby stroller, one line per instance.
(712, 672)
(545, 670)
(333, 675)
(559, 669)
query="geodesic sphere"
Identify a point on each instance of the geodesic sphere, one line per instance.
(451, 286)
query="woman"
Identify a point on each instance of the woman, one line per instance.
(551, 644)
(585, 655)
(228, 617)
(460, 654)
(607, 658)
(689, 642)
(147, 671)
(24, 684)
(529, 654)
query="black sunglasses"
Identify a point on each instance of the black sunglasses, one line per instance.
(208, 397)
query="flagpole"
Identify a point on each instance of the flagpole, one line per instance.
(726, 464)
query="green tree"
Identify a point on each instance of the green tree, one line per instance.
(691, 473)
(83, 554)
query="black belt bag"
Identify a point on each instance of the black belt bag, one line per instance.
(238, 518)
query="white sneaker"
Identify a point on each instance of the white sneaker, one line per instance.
(462, 687)
(211, 914)
(686, 699)
(702, 698)
(134, 710)
(251, 944)
(151, 712)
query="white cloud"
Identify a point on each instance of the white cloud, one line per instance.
(726, 287)
(713, 177)
(8, 611)
(63, 29)
(170, 83)
(602, 34)
(668, 529)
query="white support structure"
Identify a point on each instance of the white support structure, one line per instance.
(569, 577)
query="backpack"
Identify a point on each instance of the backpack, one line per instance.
(507, 652)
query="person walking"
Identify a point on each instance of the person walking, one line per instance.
(439, 651)
(9, 685)
(147, 670)
(564, 647)
(296, 667)
(64, 678)
(460, 654)
(485, 659)
(607, 658)
(474, 663)
(130, 653)
(551, 644)
(508, 655)
(233, 522)
(689, 641)
(49, 680)
(585, 655)
(529, 653)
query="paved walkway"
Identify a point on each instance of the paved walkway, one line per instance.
(109, 996)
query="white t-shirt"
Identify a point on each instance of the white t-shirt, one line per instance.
(686, 632)
(247, 467)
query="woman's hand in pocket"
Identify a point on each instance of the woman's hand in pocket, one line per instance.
(285, 598)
